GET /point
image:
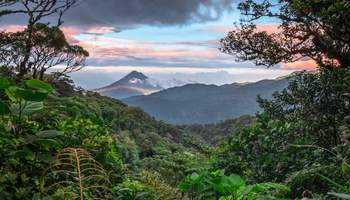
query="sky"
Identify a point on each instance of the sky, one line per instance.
(169, 40)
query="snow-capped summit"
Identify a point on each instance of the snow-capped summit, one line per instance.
(133, 84)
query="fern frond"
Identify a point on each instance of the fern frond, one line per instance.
(75, 174)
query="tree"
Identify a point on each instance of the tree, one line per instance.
(36, 10)
(40, 46)
(314, 29)
(318, 102)
(49, 48)
(6, 3)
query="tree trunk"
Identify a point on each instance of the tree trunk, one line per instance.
(23, 68)
(41, 74)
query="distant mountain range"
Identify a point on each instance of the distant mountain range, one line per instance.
(199, 103)
(133, 84)
(192, 103)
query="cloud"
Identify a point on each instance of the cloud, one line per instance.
(12, 28)
(116, 15)
(116, 51)
(106, 50)
(71, 32)
(307, 64)
(130, 13)
(92, 77)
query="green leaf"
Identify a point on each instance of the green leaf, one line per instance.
(45, 140)
(194, 176)
(141, 195)
(198, 187)
(46, 143)
(27, 108)
(4, 109)
(9, 93)
(340, 195)
(253, 191)
(227, 184)
(345, 167)
(4, 83)
(32, 107)
(16, 93)
(109, 118)
(49, 134)
(40, 85)
(184, 186)
(97, 121)
(25, 153)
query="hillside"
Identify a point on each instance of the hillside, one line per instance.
(216, 133)
(199, 103)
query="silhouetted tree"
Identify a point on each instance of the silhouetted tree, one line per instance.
(37, 10)
(319, 30)
(40, 46)
(49, 48)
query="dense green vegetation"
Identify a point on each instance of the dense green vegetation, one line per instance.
(61, 142)
(147, 159)
(133, 148)
(214, 134)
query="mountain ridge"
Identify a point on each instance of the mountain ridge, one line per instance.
(202, 103)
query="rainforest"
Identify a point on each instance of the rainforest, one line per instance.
(60, 141)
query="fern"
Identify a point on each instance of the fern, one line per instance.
(75, 174)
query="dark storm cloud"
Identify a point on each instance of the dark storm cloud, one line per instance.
(130, 13)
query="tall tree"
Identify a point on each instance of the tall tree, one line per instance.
(49, 48)
(316, 29)
(40, 46)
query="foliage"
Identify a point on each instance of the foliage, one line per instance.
(216, 133)
(276, 149)
(317, 102)
(131, 189)
(158, 188)
(311, 112)
(340, 195)
(309, 29)
(47, 48)
(39, 46)
(215, 185)
(30, 145)
(22, 101)
(123, 140)
(311, 179)
(262, 152)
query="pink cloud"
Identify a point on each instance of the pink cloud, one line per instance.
(101, 47)
(138, 50)
(70, 31)
(302, 64)
(12, 28)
